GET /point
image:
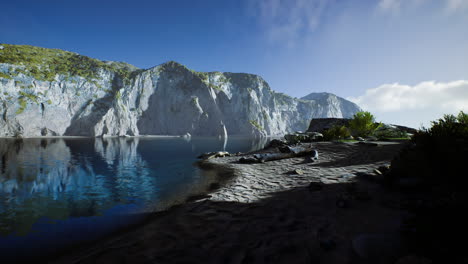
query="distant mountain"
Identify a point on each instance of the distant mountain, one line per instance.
(331, 105)
(51, 92)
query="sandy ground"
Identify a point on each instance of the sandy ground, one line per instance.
(267, 213)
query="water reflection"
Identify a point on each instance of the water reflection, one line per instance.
(65, 181)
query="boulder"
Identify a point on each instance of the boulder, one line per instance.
(322, 124)
(210, 155)
(275, 143)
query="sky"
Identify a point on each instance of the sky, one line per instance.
(406, 61)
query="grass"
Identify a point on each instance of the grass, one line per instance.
(45, 64)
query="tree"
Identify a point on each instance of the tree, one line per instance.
(363, 124)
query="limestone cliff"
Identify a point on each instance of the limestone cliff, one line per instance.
(47, 92)
(331, 105)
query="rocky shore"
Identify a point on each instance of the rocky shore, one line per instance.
(295, 210)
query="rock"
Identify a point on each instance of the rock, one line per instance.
(298, 171)
(315, 155)
(335, 106)
(275, 143)
(347, 176)
(1, 47)
(211, 155)
(384, 169)
(248, 160)
(314, 136)
(379, 248)
(295, 138)
(168, 99)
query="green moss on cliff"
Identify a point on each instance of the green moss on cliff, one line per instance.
(5, 76)
(256, 124)
(22, 102)
(45, 64)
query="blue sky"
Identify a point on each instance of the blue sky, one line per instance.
(404, 60)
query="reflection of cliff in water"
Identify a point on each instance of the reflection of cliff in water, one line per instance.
(59, 178)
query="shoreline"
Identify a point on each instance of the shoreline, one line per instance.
(268, 197)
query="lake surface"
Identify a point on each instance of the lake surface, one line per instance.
(56, 192)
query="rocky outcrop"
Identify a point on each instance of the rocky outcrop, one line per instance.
(323, 124)
(331, 105)
(116, 99)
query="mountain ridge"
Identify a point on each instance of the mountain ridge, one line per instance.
(46, 92)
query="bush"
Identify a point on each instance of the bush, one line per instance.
(336, 132)
(389, 132)
(363, 124)
(437, 157)
(438, 153)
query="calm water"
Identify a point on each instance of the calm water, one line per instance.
(55, 192)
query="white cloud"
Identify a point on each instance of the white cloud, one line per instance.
(395, 6)
(405, 102)
(287, 20)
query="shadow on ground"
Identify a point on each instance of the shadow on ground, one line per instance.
(300, 225)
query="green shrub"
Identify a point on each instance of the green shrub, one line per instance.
(363, 124)
(437, 157)
(436, 151)
(382, 134)
(336, 132)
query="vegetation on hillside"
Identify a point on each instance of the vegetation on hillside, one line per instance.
(44, 64)
(204, 77)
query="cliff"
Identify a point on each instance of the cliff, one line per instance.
(331, 105)
(49, 92)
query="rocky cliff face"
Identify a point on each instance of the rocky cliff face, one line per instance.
(46, 92)
(331, 105)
